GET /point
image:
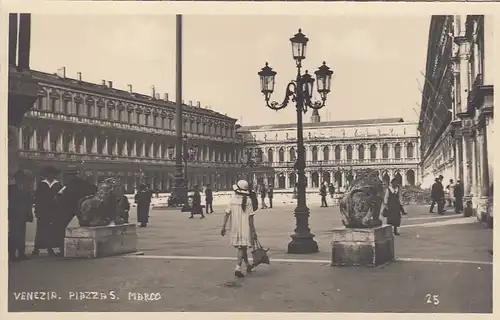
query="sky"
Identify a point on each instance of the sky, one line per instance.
(376, 60)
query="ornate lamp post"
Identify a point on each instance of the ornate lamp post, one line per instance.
(299, 91)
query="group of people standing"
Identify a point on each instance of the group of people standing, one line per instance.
(324, 190)
(453, 194)
(54, 205)
(265, 192)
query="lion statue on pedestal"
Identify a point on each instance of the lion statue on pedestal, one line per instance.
(103, 208)
(360, 205)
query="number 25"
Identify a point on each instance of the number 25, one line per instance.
(432, 299)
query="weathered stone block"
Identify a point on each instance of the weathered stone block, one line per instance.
(362, 247)
(102, 241)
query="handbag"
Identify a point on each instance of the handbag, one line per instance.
(384, 213)
(259, 254)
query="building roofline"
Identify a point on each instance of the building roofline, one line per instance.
(70, 83)
(345, 123)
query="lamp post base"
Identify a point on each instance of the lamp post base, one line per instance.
(303, 244)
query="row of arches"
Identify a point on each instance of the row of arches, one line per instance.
(368, 152)
(338, 179)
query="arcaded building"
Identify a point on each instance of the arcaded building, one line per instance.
(335, 150)
(111, 132)
(456, 118)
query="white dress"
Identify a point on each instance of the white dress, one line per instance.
(239, 221)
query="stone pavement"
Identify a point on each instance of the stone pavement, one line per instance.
(190, 265)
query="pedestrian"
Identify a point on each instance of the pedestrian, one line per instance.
(450, 191)
(263, 196)
(75, 189)
(196, 207)
(20, 211)
(209, 199)
(143, 200)
(124, 208)
(270, 196)
(437, 195)
(322, 192)
(46, 212)
(253, 198)
(331, 190)
(240, 215)
(458, 194)
(392, 208)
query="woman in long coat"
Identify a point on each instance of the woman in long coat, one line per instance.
(392, 207)
(240, 213)
(47, 211)
(196, 207)
(143, 200)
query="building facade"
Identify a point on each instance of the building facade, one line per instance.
(456, 118)
(110, 132)
(335, 150)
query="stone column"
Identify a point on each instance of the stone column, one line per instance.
(115, 146)
(160, 150)
(72, 148)
(343, 152)
(143, 149)
(482, 163)
(152, 150)
(466, 163)
(20, 138)
(83, 148)
(60, 140)
(464, 74)
(403, 150)
(355, 152)
(33, 140)
(94, 146)
(125, 148)
(105, 148)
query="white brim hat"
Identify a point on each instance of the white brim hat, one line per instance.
(241, 187)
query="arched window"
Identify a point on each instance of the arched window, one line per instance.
(349, 152)
(397, 151)
(315, 154)
(281, 155)
(337, 152)
(373, 152)
(409, 150)
(270, 155)
(326, 153)
(260, 155)
(361, 152)
(292, 154)
(385, 151)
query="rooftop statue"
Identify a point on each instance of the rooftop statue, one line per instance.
(103, 208)
(360, 205)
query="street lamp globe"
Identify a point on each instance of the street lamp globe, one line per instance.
(267, 81)
(299, 45)
(308, 82)
(324, 79)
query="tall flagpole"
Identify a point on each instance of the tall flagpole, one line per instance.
(179, 189)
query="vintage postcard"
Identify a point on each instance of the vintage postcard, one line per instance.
(187, 162)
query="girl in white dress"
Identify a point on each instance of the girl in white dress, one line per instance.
(240, 215)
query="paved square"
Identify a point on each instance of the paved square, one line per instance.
(190, 265)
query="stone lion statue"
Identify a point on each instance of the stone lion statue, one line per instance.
(103, 208)
(360, 206)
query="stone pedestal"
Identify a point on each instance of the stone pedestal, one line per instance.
(362, 247)
(97, 242)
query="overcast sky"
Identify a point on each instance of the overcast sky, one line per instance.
(376, 60)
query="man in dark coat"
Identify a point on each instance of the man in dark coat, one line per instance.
(20, 211)
(46, 211)
(69, 196)
(437, 196)
(143, 200)
(458, 193)
(124, 208)
(270, 195)
(209, 199)
(322, 192)
(196, 207)
(331, 190)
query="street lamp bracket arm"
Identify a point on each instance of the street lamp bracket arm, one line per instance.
(291, 90)
(316, 105)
